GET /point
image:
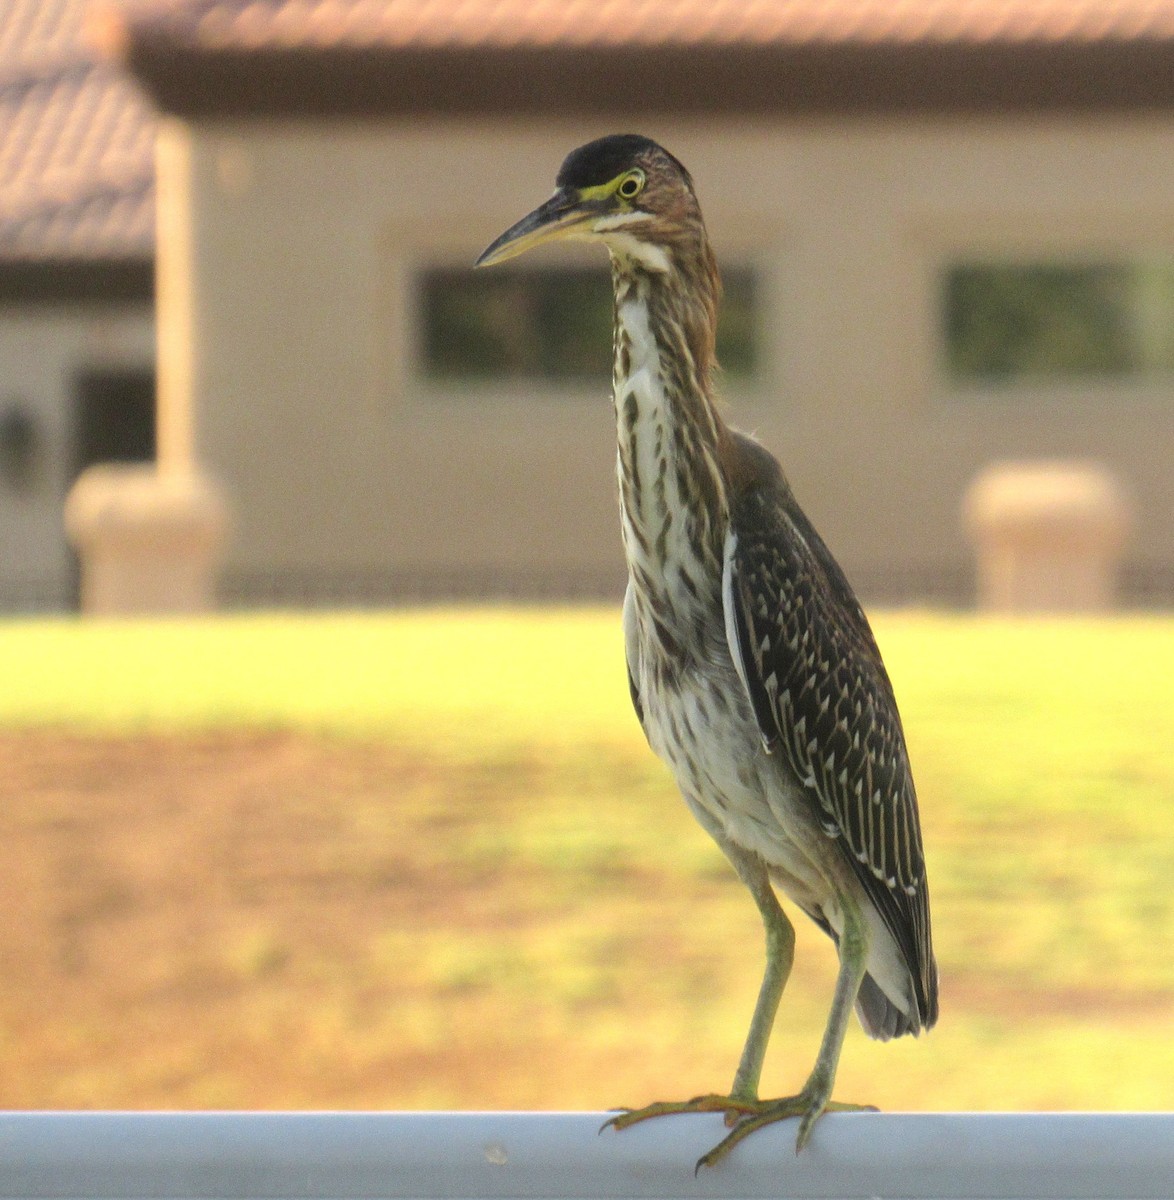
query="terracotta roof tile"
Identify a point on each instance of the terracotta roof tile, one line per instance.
(255, 24)
(76, 166)
(76, 158)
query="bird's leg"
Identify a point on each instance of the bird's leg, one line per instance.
(780, 953)
(815, 1097)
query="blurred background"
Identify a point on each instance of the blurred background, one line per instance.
(320, 781)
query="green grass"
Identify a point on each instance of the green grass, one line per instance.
(474, 821)
(550, 675)
(464, 681)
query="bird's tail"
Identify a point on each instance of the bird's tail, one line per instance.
(881, 1018)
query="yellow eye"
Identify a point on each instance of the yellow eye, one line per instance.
(631, 185)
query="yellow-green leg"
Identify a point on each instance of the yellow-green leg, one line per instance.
(815, 1097)
(743, 1110)
(780, 954)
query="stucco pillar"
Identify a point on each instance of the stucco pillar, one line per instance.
(1048, 535)
(151, 538)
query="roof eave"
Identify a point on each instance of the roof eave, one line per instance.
(810, 78)
(49, 281)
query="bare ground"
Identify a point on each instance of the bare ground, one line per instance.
(285, 920)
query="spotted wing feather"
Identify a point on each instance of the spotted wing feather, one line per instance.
(824, 703)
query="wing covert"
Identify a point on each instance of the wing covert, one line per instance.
(823, 702)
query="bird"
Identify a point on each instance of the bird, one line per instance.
(751, 665)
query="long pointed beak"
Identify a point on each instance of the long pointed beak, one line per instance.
(563, 213)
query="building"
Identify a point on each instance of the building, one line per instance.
(949, 227)
(77, 339)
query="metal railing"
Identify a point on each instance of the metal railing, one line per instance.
(363, 1156)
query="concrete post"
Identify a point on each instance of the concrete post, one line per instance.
(149, 540)
(1048, 535)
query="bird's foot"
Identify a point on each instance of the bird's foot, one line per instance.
(744, 1116)
(808, 1105)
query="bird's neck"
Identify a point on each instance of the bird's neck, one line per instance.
(672, 440)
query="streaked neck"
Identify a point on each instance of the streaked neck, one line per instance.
(670, 436)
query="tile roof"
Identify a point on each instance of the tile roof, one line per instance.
(276, 24)
(478, 58)
(76, 156)
(76, 170)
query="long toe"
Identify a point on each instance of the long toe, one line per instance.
(808, 1107)
(711, 1102)
(767, 1113)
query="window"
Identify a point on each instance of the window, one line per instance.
(114, 417)
(550, 325)
(1042, 321)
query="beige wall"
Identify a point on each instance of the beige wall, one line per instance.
(296, 245)
(42, 351)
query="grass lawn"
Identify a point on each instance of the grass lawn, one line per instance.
(425, 859)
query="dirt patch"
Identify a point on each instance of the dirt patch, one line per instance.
(186, 894)
(288, 920)
(267, 920)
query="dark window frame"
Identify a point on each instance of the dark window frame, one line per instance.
(538, 302)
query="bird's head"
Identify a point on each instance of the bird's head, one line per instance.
(623, 190)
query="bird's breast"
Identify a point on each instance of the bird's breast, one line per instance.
(700, 724)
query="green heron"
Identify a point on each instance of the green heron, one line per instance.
(752, 667)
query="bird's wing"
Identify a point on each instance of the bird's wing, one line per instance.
(823, 701)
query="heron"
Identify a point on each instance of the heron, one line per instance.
(752, 667)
